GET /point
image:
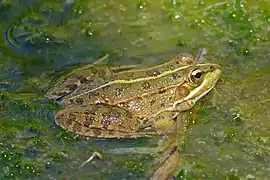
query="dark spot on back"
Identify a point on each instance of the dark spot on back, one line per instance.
(77, 127)
(110, 132)
(162, 105)
(129, 115)
(101, 73)
(93, 95)
(60, 118)
(87, 112)
(106, 100)
(79, 100)
(139, 98)
(106, 88)
(60, 94)
(111, 116)
(71, 87)
(118, 91)
(153, 73)
(89, 119)
(105, 121)
(71, 118)
(94, 70)
(146, 85)
(93, 113)
(86, 123)
(126, 86)
(71, 101)
(121, 104)
(82, 79)
(161, 91)
(175, 76)
(171, 67)
(152, 102)
(99, 106)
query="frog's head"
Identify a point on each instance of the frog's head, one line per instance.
(200, 79)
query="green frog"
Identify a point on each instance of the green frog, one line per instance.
(130, 102)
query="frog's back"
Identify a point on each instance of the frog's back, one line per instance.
(75, 80)
(118, 74)
(85, 79)
(179, 60)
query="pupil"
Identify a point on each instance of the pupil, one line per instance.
(198, 75)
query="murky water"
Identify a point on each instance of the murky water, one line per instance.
(230, 134)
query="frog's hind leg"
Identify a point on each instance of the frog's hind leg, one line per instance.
(100, 133)
(83, 128)
(120, 135)
(101, 121)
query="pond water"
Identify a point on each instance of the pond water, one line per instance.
(229, 132)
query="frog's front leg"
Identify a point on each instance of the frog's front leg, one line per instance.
(101, 120)
(171, 158)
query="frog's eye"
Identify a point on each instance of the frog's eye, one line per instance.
(196, 76)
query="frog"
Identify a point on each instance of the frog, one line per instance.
(130, 102)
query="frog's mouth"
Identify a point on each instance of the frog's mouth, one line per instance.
(207, 85)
